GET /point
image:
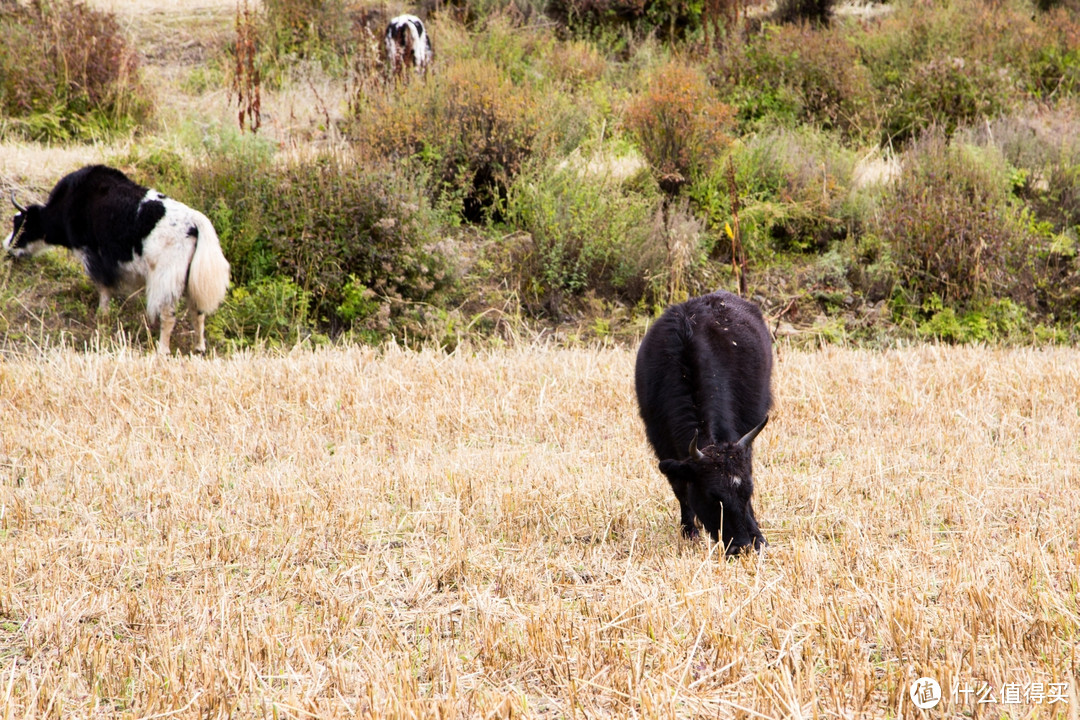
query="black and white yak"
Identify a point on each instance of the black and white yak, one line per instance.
(407, 43)
(127, 237)
(702, 378)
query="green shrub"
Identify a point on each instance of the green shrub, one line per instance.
(325, 224)
(793, 188)
(993, 321)
(942, 67)
(801, 73)
(331, 223)
(585, 232)
(272, 311)
(230, 182)
(67, 72)
(947, 93)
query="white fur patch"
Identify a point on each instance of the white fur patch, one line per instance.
(418, 40)
(166, 254)
(736, 480)
(30, 249)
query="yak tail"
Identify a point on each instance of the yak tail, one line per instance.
(208, 274)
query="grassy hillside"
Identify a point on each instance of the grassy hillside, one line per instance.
(899, 170)
(353, 533)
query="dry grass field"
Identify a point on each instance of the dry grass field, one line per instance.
(358, 532)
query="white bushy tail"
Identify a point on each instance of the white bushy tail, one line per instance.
(208, 275)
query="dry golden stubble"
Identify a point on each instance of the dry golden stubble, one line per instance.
(356, 532)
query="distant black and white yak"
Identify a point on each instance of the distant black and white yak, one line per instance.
(407, 44)
(128, 236)
(702, 378)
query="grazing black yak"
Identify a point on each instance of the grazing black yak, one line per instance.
(702, 379)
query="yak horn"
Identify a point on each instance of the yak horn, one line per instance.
(748, 438)
(694, 452)
(15, 202)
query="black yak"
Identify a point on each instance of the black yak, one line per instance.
(702, 379)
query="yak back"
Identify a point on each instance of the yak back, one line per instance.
(704, 367)
(100, 212)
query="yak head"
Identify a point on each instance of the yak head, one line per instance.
(28, 231)
(718, 484)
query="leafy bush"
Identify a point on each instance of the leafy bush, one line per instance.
(947, 92)
(941, 67)
(331, 223)
(992, 321)
(325, 224)
(678, 124)
(67, 72)
(585, 231)
(271, 311)
(793, 188)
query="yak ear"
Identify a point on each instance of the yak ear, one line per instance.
(748, 438)
(675, 469)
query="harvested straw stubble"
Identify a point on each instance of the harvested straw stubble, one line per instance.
(356, 532)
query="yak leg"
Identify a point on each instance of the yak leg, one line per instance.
(168, 322)
(686, 518)
(103, 300)
(686, 513)
(198, 319)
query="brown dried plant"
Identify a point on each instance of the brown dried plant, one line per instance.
(246, 82)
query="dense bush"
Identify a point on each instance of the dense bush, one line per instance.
(793, 187)
(471, 128)
(798, 74)
(312, 232)
(952, 230)
(273, 311)
(941, 67)
(67, 72)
